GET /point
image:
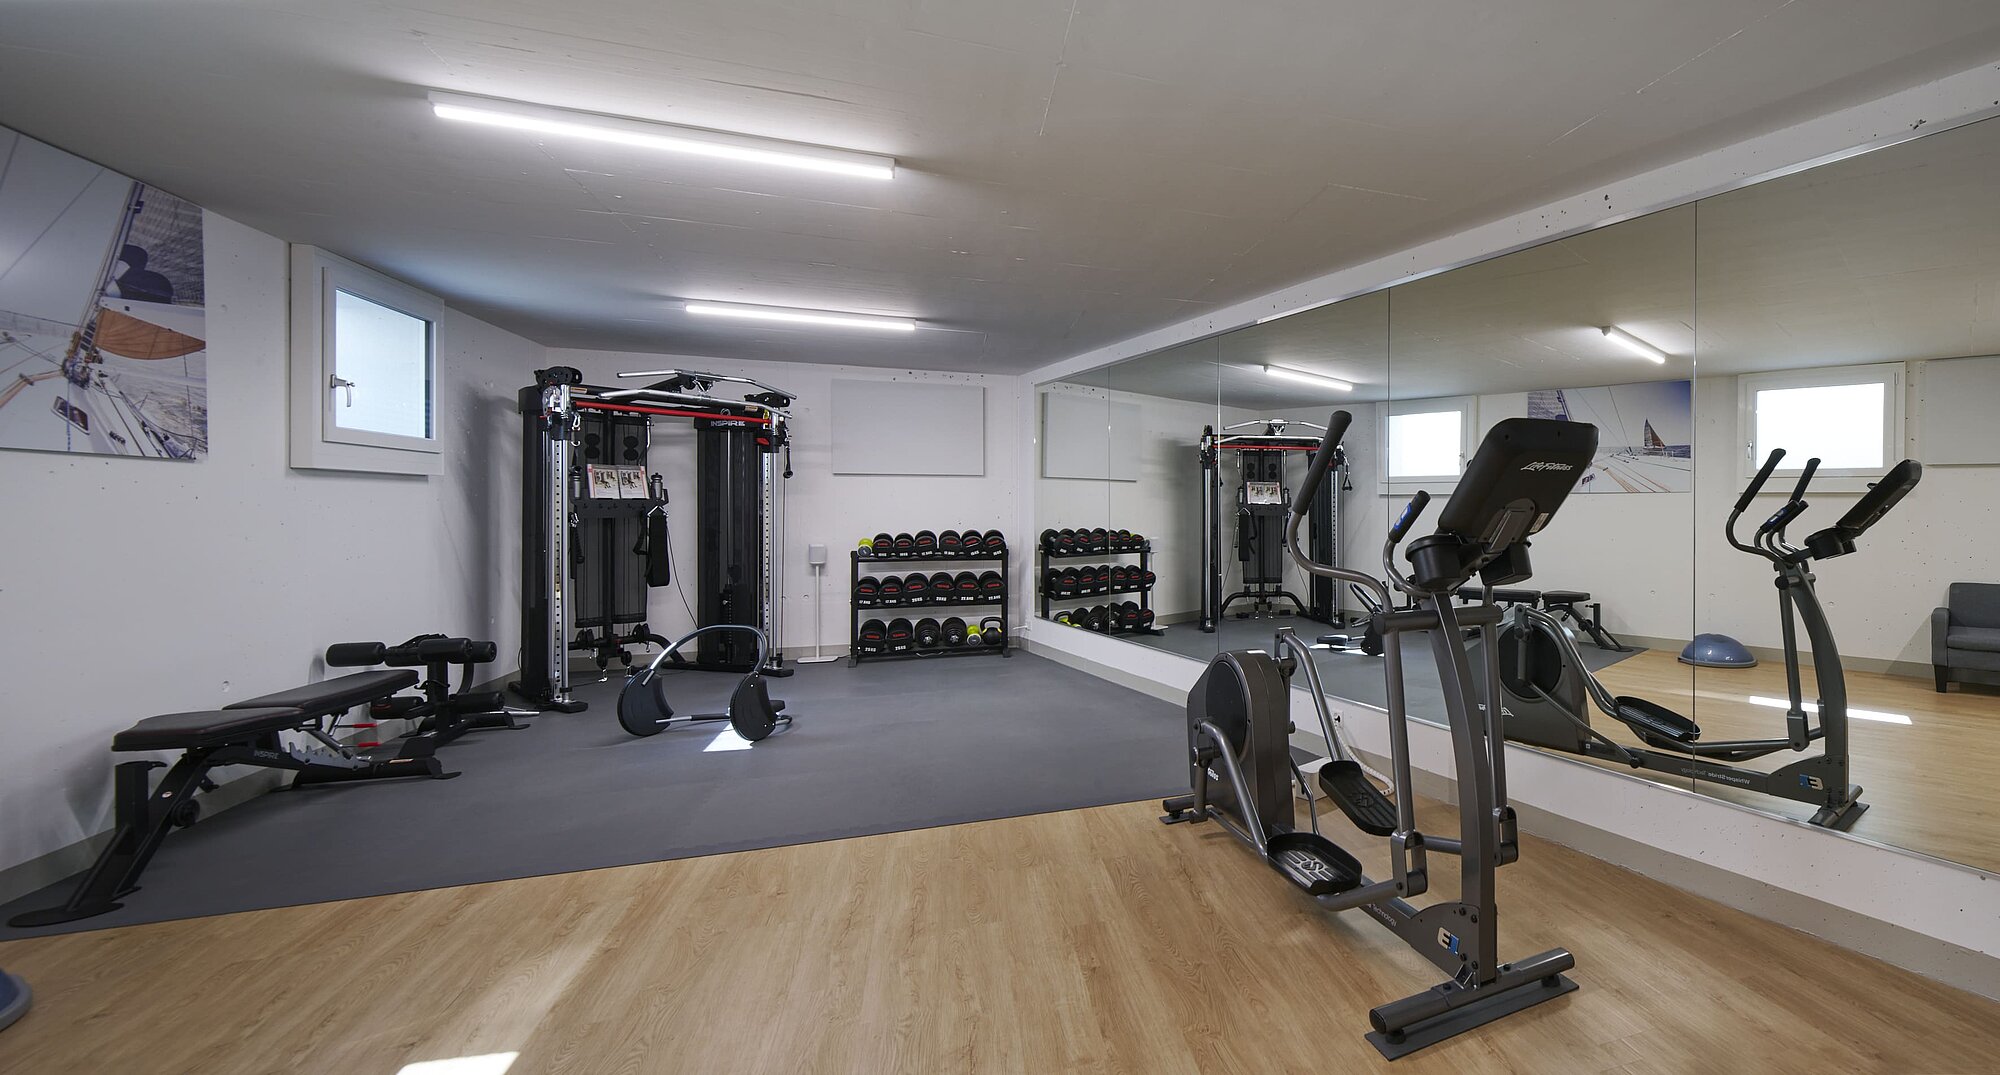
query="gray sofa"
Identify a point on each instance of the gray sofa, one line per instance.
(1965, 634)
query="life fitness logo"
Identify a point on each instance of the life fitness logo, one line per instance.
(1543, 464)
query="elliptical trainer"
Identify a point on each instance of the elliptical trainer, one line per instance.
(1239, 723)
(1544, 681)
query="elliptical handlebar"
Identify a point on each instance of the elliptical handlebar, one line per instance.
(1805, 478)
(1322, 461)
(1743, 503)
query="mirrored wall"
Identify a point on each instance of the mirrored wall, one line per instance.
(1849, 313)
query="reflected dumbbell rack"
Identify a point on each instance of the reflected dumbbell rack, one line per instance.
(1058, 582)
(889, 591)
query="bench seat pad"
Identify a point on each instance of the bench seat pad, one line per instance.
(182, 731)
(336, 695)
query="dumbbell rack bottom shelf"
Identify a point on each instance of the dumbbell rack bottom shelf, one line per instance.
(858, 613)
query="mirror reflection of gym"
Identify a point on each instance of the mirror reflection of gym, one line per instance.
(1847, 315)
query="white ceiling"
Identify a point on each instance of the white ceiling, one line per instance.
(1073, 171)
(1893, 256)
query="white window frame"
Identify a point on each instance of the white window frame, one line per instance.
(1827, 479)
(1468, 430)
(318, 442)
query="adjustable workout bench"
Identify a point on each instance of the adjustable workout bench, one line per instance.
(246, 733)
(442, 714)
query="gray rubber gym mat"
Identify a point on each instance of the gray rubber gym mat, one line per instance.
(877, 748)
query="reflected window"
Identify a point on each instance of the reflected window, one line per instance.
(1426, 439)
(1850, 419)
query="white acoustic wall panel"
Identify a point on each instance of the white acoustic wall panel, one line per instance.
(1955, 421)
(1089, 437)
(909, 427)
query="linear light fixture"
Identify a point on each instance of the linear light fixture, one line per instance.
(671, 138)
(1287, 373)
(801, 317)
(1635, 345)
(1856, 714)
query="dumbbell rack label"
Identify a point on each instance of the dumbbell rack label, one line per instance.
(1045, 559)
(860, 562)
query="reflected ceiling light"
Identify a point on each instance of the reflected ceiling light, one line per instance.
(643, 134)
(1287, 373)
(1635, 345)
(486, 1064)
(801, 317)
(1857, 714)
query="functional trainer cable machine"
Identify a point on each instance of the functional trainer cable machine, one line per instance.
(1262, 503)
(591, 547)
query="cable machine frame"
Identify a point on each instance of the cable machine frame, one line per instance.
(1324, 602)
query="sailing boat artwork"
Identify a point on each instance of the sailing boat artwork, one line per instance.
(102, 347)
(1645, 440)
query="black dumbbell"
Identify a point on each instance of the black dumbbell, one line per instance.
(882, 545)
(992, 584)
(943, 586)
(1066, 617)
(1052, 581)
(1100, 577)
(916, 588)
(991, 633)
(1100, 540)
(1143, 577)
(1128, 615)
(899, 634)
(1048, 541)
(873, 637)
(947, 543)
(954, 632)
(929, 633)
(965, 586)
(1138, 542)
(925, 543)
(1065, 542)
(994, 541)
(906, 544)
(1120, 576)
(1146, 619)
(867, 591)
(1100, 618)
(889, 591)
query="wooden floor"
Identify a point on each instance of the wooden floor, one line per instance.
(1929, 784)
(1089, 941)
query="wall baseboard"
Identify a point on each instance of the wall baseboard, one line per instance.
(1111, 673)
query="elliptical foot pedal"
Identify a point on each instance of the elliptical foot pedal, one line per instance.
(1314, 863)
(1356, 795)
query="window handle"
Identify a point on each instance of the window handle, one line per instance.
(336, 381)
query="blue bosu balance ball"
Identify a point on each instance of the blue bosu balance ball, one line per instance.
(1717, 651)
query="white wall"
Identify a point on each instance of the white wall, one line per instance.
(134, 587)
(1879, 599)
(835, 510)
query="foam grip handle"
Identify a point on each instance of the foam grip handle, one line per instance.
(1322, 461)
(1409, 517)
(354, 654)
(1805, 478)
(460, 650)
(1757, 483)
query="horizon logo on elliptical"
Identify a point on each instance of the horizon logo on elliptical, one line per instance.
(1543, 464)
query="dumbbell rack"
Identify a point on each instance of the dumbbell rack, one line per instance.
(857, 614)
(1144, 589)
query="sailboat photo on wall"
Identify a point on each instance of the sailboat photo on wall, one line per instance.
(1645, 434)
(102, 347)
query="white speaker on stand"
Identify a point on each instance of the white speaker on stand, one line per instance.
(816, 557)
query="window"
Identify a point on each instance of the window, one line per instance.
(1425, 440)
(364, 369)
(1849, 418)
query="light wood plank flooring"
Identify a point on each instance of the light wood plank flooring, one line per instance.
(1089, 941)
(1930, 783)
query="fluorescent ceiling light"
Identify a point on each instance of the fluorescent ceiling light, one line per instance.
(563, 123)
(1635, 345)
(1857, 714)
(801, 317)
(1289, 374)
